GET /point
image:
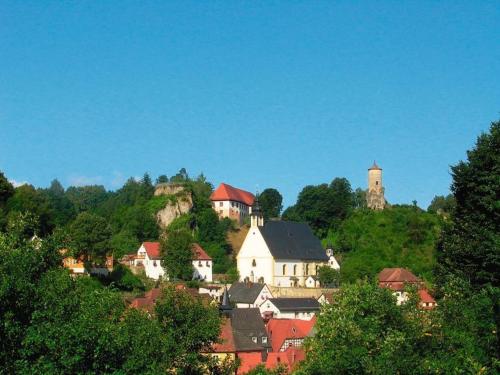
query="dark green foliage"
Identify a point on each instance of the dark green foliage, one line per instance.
(262, 370)
(328, 277)
(471, 244)
(6, 189)
(270, 201)
(162, 179)
(364, 331)
(177, 254)
(180, 315)
(89, 235)
(123, 279)
(123, 243)
(85, 198)
(442, 205)
(395, 237)
(323, 206)
(359, 197)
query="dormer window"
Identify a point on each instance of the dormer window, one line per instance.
(264, 339)
(254, 339)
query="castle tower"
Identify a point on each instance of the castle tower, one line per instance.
(375, 194)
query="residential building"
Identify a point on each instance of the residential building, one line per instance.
(148, 256)
(397, 279)
(290, 358)
(148, 301)
(279, 253)
(290, 308)
(232, 202)
(286, 333)
(77, 266)
(249, 294)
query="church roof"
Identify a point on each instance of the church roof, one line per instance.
(374, 167)
(291, 240)
(227, 192)
(245, 292)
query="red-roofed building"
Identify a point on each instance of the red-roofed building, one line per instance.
(149, 257)
(248, 361)
(148, 301)
(286, 333)
(289, 358)
(397, 279)
(232, 202)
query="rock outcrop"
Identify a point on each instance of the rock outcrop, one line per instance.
(180, 202)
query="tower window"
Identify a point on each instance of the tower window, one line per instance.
(376, 182)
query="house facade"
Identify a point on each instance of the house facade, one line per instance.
(248, 295)
(290, 308)
(279, 253)
(148, 256)
(232, 202)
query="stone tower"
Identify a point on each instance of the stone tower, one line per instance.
(375, 194)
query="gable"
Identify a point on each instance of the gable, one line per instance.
(254, 245)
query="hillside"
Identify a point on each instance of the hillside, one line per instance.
(367, 241)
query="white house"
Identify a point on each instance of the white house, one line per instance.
(290, 308)
(148, 256)
(279, 253)
(232, 202)
(202, 264)
(248, 295)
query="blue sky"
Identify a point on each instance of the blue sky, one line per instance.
(256, 94)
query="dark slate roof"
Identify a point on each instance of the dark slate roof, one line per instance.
(296, 304)
(244, 292)
(248, 323)
(290, 240)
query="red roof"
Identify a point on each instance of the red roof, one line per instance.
(148, 301)
(281, 329)
(199, 253)
(289, 358)
(426, 298)
(152, 249)
(226, 192)
(248, 361)
(396, 278)
(226, 344)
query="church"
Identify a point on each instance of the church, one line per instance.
(279, 253)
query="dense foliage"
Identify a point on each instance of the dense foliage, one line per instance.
(55, 324)
(177, 254)
(368, 241)
(364, 332)
(471, 244)
(270, 202)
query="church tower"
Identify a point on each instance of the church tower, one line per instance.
(375, 195)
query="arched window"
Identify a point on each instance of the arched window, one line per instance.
(254, 263)
(307, 269)
(294, 269)
(284, 269)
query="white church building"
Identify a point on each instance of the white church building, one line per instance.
(280, 253)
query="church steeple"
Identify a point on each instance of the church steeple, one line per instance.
(225, 307)
(256, 218)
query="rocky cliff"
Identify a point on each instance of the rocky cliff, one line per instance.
(180, 202)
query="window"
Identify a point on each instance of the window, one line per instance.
(220, 204)
(254, 339)
(154, 263)
(307, 269)
(232, 204)
(264, 339)
(254, 263)
(284, 269)
(220, 211)
(200, 264)
(376, 182)
(295, 269)
(208, 263)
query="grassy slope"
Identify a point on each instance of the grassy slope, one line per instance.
(396, 237)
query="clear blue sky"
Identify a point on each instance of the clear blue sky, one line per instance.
(256, 94)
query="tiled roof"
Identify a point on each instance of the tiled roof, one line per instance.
(152, 249)
(199, 253)
(291, 240)
(245, 292)
(148, 301)
(296, 304)
(248, 361)
(397, 275)
(425, 296)
(281, 329)
(227, 192)
(248, 323)
(226, 344)
(375, 166)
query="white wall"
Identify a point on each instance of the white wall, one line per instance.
(202, 270)
(254, 248)
(268, 306)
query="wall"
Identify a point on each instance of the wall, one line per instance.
(203, 271)
(254, 248)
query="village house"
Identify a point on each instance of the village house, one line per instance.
(148, 301)
(289, 359)
(286, 333)
(280, 253)
(232, 202)
(397, 279)
(246, 295)
(290, 308)
(77, 266)
(148, 256)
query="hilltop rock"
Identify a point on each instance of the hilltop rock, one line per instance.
(180, 202)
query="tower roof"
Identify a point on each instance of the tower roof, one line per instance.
(374, 166)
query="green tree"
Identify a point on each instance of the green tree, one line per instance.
(359, 197)
(180, 315)
(85, 198)
(442, 205)
(162, 179)
(328, 276)
(6, 189)
(90, 235)
(471, 244)
(270, 201)
(177, 254)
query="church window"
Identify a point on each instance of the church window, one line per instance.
(307, 269)
(284, 269)
(294, 269)
(254, 263)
